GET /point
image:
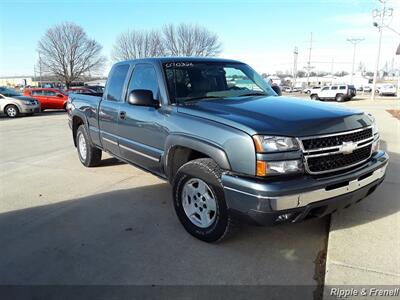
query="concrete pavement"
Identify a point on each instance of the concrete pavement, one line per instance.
(364, 240)
(62, 223)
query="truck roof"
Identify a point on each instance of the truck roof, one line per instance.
(180, 59)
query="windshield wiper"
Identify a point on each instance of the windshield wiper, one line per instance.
(253, 94)
(202, 98)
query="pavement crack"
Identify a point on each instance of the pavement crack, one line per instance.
(364, 269)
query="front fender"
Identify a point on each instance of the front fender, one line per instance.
(212, 150)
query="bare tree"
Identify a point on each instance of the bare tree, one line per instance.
(190, 40)
(68, 53)
(138, 44)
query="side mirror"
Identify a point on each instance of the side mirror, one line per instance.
(59, 96)
(277, 89)
(143, 98)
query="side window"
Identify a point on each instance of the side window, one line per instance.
(334, 88)
(144, 78)
(50, 93)
(115, 83)
(325, 88)
(342, 87)
(37, 93)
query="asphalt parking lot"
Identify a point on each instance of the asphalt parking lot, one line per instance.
(62, 223)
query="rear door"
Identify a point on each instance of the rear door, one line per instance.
(109, 107)
(141, 135)
(333, 91)
(51, 98)
(41, 97)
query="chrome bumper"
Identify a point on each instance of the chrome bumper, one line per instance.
(252, 194)
(303, 199)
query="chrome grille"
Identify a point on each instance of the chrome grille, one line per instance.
(336, 140)
(326, 153)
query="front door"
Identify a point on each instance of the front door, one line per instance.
(109, 108)
(142, 135)
(325, 93)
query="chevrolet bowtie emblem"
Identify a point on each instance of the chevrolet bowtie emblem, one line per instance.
(347, 147)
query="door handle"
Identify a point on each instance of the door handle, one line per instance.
(122, 115)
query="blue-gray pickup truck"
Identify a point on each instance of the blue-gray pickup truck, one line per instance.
(232, 149)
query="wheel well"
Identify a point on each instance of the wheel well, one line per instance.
(76, 122)
(178, 156)
(11, 104)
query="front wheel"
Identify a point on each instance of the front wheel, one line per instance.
(199, 200)
(11, 111)
(88, 155)
(314, 97)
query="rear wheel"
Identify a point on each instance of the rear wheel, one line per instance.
(88, 155)
(340, 98)
(199, 200)
(11, 111)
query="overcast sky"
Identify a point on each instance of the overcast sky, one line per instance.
(260, 33)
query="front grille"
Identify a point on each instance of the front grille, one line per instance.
(338, 161)
(325, 154)
(336, 140)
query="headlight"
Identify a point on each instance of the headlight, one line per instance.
(374, 126)
(27, 102)
(376, 143)
(267, 168)
(265, 143)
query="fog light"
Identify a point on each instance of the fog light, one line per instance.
(284, 217)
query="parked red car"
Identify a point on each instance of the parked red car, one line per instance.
(49, 98)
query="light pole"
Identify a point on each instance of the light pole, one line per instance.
(295, 54)
(354, 41)
(309, 67)
(381, 14)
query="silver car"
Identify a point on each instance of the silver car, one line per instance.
(13, 104)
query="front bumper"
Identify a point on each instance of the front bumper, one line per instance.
(29, 109)
(294, 199)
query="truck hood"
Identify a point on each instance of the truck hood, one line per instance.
(278, 115)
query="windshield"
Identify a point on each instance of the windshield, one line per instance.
(189, 81)
(8, 92)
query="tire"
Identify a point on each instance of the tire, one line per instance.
(11, 111)
(340, 98)
(199, 200)
(88, 155)
(314, 97)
